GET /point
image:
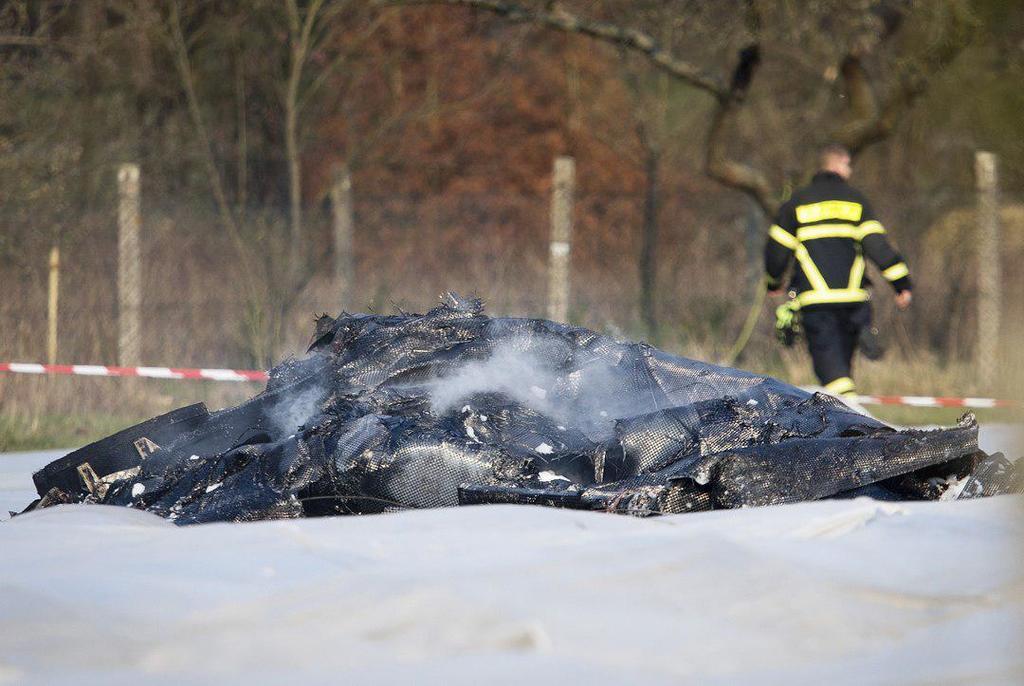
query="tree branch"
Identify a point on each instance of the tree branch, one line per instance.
(561, 20)
(63, 46)
(33, 41)
(717, 165)
(354, 47)
(294, 24)
(872, 122)
(179, 49)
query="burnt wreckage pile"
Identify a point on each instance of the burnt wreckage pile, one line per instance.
(455, 408)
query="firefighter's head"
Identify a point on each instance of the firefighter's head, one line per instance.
(836, 158)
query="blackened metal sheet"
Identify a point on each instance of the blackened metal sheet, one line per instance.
(453, 407)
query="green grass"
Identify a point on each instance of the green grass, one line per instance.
(67, 412)
(59, 431)
(63, 431)
(943, 416)
(51, 412)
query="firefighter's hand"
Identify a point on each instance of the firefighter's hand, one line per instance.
(775, 292)
(903, 299)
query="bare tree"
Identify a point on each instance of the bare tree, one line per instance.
(652, 138)
(301, 42)
(314, 28)
(179, 46)
(861, 29)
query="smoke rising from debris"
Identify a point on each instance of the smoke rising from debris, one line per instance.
(515, 368)
(297, 410)
(542, 375)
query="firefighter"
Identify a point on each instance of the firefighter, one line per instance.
(828, 227)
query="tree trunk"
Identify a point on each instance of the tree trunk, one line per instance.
(242, 144)
(649, 247)
(291, 147)
(184, 66)
(300, 44)
(89, 80)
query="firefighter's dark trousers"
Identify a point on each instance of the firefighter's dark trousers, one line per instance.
(832, 333)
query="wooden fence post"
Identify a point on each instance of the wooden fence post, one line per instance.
(561, 238)
(51, 310)
(343, 215)
(989, 268)
(129, 276)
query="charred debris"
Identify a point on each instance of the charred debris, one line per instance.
(451, 407)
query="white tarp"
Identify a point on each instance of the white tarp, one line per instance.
(844, 591)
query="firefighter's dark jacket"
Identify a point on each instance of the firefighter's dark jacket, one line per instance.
(829, 227)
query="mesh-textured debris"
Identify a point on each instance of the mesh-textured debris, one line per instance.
(453, 407)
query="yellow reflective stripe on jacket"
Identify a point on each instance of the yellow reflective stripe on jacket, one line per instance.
(784, 237)
(870, 227)
(833, 296)
(829, 209)
(809, 233)
(897, 271)
(790, 241)
(811, 270)
(820, 292)
(856, 272)
(840, 386)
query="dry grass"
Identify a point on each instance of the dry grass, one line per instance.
(55, 412)
(202, 308)
(62, 412)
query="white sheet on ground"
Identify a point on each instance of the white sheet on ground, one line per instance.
(846, 591)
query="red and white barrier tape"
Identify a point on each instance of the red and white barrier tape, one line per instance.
(255, 375)
(150, 372)
(931, 401)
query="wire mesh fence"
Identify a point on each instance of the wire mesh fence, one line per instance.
(210, 301)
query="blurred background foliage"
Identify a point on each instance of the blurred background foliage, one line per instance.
(241, 115)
